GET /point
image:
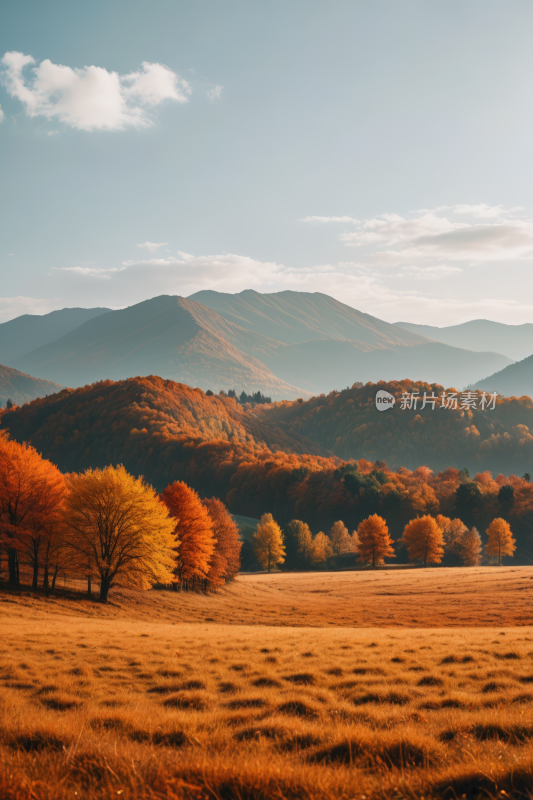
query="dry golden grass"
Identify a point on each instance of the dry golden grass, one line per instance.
(137, 707)
(432, 598)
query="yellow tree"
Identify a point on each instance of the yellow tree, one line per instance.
(298, 541)
(321, 548)
(341, 541)
(268, 543)
(500, 542)
(469, 548)
(374, 543)
(452, 532)
(423, 540)
(118, 525)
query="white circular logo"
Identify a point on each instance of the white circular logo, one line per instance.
(384, 400)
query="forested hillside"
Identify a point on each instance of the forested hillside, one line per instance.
(348, 424)
(257, 459)
(21, 388)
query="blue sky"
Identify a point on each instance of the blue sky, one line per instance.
(376, 151)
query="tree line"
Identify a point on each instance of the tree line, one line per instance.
(427, 539)
(108, 526)
(260, 462)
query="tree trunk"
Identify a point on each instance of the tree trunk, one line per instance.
(105, 585)
(45, 580)
(56, 572)
(373, 559)
(35, 581)
(499, 555)
(12, 562)
(89, 594)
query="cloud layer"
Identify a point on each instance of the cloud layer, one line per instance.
(91, 98)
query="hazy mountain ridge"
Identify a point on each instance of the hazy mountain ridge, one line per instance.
(515, 380)
(22, 388)
(172, 337)
(285, 344)
(23, 334)
(513, 341)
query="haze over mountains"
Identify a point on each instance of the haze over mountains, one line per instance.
(286, 344)
(21, 388)
(516, 379)
(513, 341)
(23, 334)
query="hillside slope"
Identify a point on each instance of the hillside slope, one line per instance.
(23, 334)
(21, 388)
(348, 424)
(172, 337)
(320, 365)
(513, 341)
(515, 380)
(321, 344)
(292, 317)
(153, 426)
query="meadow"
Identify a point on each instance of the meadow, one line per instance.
(149, 697)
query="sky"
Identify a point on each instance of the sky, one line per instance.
(379, 152)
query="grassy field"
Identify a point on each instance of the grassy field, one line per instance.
(139, 700)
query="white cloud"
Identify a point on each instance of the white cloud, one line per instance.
(431, 273)
(329, 219)
(91, 98)
(214, 93)
(353, 283)
(152, 246)
(2, 115)
(431, 237)
(93, 272)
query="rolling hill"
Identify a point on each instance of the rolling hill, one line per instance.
(348, 424)
(515, 380)
(21, 388)
(25, 333)
(278, 458)
(513, 341)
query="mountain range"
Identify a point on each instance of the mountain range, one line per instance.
(513, 341)
(285, 344)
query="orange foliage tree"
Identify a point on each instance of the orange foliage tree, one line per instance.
(32, 493)
(374, 542)
(226, 559)
(500, 542)
(321, 548)
(423, 540)
(194, 530)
